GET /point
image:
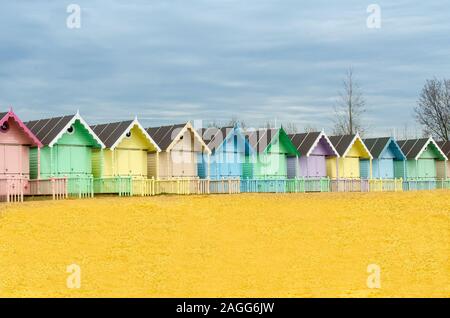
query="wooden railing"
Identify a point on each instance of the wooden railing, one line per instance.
(264, 185)
(143, 187)
(299, 185)
(420, 184)
(122, 186)
(225, 186)
(385, 185)
(182, 186)
(12, 189)
(54, 187)
(80, 186)
(349, 185)
(443, 184)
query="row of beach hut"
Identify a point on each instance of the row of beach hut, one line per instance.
(64, 156)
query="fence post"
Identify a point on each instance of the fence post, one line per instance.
(52, 180)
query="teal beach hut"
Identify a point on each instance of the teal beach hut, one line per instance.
(230, 154)
(387, 155)
(421, 158)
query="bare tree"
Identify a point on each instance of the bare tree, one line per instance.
(236, 121)
(310, 128)
(290, 128)
(433, 108)
(349, 108)
(213, 124)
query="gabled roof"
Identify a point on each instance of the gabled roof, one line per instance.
(6, 116)
(306, 142)
(445, 147)
(261, 139)
(413, 148)
(377, 146)
(167, 136)
(215, 137)
(112, 134)
(49, 130)
(344, 143)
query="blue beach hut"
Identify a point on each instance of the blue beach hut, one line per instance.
(230, 153)
(386, 153)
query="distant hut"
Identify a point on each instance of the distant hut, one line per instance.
(351, 150)
(315, 148)
(180, 148)
(387, 155)
(422, 156)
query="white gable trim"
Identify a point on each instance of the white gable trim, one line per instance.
(322, 134)
(430, 140)
(135, 122)
(71, 122)
(189, 126)
(357, 137)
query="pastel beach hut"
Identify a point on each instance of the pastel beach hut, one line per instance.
(68, 143)
(352, 151)
(387, 155)
(443, 167)
(124, 161)
(420, 169)
(15, 142)
(315, 148)
(268, 161)
(230, 153)
(272, 147)
(180, 147)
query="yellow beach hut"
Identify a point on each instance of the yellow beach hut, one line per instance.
(351, 150)
(180, 147)
(125, 158)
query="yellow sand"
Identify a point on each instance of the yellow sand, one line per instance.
(293, 245)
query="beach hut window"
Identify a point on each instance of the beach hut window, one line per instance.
(4, 127)
(71, 130)
(128, 134)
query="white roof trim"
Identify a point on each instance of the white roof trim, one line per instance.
(322, 134)
(430, 139)
(196, 135)
(71, 122)
(135, 122)
(357, 137)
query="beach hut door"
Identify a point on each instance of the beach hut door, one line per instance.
(10, 159)
(364, 168)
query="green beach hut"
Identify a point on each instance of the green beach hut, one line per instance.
(272, 147)
(68, 142)
(421, 158)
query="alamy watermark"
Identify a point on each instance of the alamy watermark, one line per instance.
(74, 279)
(73, 21)
(374, 278)
(374, 19)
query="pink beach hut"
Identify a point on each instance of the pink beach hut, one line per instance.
(15, 142)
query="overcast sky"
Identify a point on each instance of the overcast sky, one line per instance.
(260, 60)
